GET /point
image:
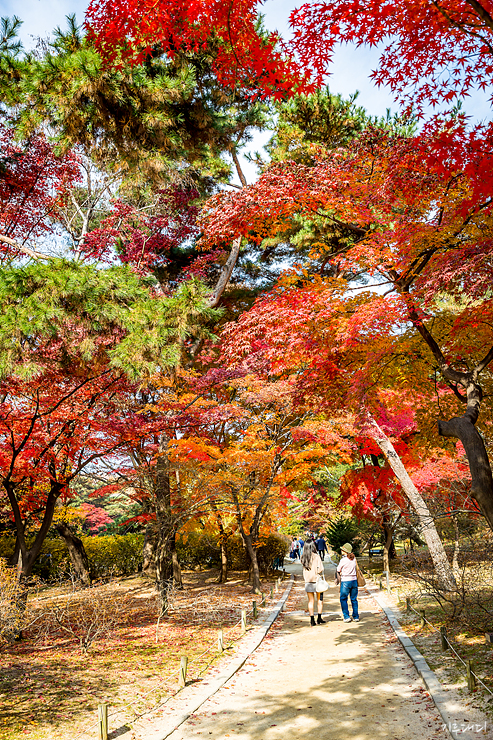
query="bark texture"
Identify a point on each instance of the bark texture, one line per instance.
(78, 555)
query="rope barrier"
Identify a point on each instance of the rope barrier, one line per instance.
(435, 629)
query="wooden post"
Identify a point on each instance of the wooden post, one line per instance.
(272, 592)
(423, 618)
(443, 638)
(471, 678)
(183, 671)
(408, 605)
(103, 721)
(262, 603)
(283, 574)
(243, 621)
(380, 584)
(254, 609)
(220, 640)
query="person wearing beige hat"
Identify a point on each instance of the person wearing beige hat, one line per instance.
(346, 569)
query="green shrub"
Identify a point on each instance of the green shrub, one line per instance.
(117, 554)
(275, 546)
(198, 549)
(108, 555)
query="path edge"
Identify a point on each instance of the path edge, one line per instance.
(233, 667)
(449, 710)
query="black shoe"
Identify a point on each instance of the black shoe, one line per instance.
(320, 620)
(312, 622)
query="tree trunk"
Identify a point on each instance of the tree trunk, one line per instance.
(463, 428)
(149, 551)
(223, 573)
(27, 557)
(177, 577)
(438, 555)
(78, 555)
(455, 556)
(252, 555)
(388, 545)
(165, 524)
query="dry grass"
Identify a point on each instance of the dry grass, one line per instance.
(49, 686)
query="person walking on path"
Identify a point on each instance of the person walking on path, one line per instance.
(321, 546)
(349, 582)
(312, 569)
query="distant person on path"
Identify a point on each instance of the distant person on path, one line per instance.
(321, 546)
(301, 544)
(349, 582)
(312, 569)
(294, 550)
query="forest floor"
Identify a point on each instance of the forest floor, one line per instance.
(50, 687)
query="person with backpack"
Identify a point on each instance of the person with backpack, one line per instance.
(346, 570)
(321, 546)
(312, 569)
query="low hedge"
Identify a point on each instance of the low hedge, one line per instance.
(108, 555)
(199, 549)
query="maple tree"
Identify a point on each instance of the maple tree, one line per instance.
(409, 228)
(432, 50)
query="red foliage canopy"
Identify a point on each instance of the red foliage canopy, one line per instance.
(433, 50)
(131, 29)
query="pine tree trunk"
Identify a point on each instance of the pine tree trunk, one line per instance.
(78, 555)
(429, 533)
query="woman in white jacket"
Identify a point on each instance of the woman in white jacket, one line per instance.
(312, 569)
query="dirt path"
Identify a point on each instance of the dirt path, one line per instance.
(335, 681)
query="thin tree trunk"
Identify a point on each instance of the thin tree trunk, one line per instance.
(252, 555)
(78, 555)
(177, 576)
(387, 545)
(223, 575)
(455, 556)
(438, 555)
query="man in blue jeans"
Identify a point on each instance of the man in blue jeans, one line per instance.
(349, 582)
